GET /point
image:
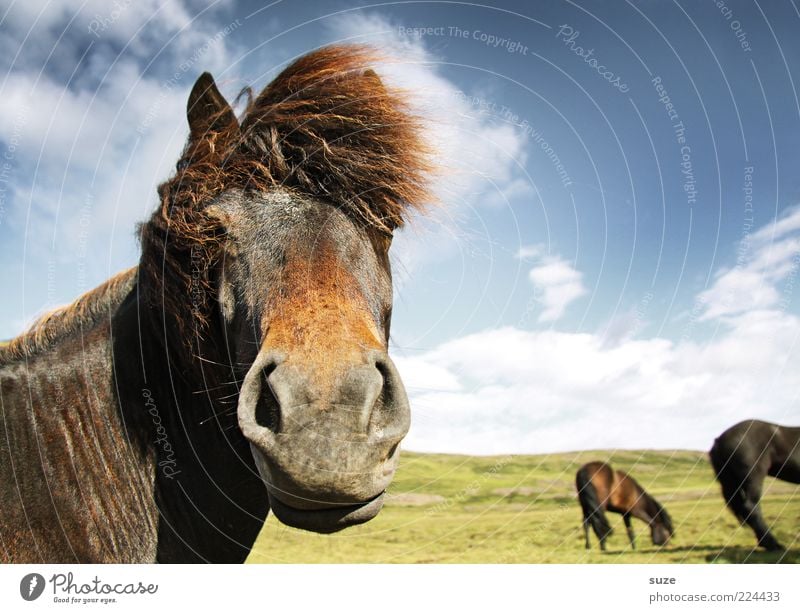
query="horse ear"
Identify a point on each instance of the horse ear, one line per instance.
(374, 80)
(207, 110)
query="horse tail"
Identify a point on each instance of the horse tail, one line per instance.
(719, 456)
(590, 503)
(725, 466)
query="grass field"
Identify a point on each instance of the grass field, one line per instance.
(511, 509)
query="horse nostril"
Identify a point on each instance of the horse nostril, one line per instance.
(391, 452)
(389, 413)
(387, 393)
(268, 413)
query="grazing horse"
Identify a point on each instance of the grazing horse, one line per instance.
(601, 488)
(742, 456)
(247, 349)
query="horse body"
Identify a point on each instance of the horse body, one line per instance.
(70, 481)
(97, 470)
(601, 488)
(742, 456)
(247, 349)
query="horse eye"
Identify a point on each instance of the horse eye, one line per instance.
(182, 165)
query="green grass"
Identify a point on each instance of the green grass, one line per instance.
(511, 509)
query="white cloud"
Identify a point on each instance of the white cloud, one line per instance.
(765, 258)
(515, 391)
(482, 157)
(512, 190)
(788, 223)
(89, 153)
(474, 150)
(558, 285)
(83, 142)
(527, 252)
(120, 20)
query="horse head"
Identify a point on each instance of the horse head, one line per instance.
(322, 404)
(661, 530)
(291, 216)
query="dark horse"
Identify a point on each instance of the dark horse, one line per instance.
(601, 488)
(742, 456)
(248, 348)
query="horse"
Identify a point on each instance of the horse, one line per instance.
(242, 366)
(742, 456)
(601, 488)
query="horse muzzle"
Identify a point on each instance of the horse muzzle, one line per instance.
(325, 442)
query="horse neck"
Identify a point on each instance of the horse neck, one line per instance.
(179, 365)
(73, 449)
(206, 476)
(646, 508)
(649, 507)
(191, 393)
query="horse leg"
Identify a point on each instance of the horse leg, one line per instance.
(743, 497)
(629, 528)
(755, 520)
(601, 528)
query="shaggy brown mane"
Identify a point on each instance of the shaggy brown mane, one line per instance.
(60, 323)
(326, 127)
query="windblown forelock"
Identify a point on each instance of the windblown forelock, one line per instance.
(326, 127)
(329, 127)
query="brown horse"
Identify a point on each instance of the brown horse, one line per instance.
(742, 456)
(601, 488)
(248, 348)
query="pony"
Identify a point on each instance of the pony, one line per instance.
(601, 488)
(742, 456)
(242, 366)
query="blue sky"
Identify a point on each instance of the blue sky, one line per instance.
(604, 270)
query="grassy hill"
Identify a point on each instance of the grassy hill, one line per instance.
(511, 509)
